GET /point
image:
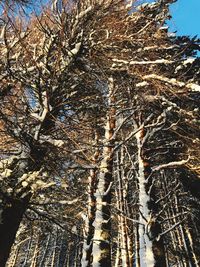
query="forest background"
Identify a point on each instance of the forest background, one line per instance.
(99, 136)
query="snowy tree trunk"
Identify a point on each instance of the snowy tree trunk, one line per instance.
(102, 223)
(151, 250)
(145, 242)
(89, 219)
(101, 240)
(124, 240)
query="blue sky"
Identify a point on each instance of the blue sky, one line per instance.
(186, 17)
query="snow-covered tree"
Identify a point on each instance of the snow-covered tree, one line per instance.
(101, 106)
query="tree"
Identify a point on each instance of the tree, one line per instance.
(116, 106)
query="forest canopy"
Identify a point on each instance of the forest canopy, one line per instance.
(99, 136)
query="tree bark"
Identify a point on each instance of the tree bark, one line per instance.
(102, 223)
(151, 251)
(124, 240)
(88, 230)
(88, 227)
(11, 217)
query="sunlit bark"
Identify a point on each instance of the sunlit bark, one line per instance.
(102, 223)
(90, 216)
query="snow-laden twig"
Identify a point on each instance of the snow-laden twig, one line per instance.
(193, 86)
(170, 164)
(118, 62)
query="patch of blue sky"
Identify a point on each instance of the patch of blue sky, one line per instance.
(185, 17)
(35, 6)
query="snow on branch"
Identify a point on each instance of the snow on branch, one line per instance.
(129, 4)
(170, 164)
(193, 86)
(5, 167)
(83, 13)
(134, 62)
(141, 84)
(54, 142)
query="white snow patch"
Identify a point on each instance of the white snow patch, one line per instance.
(179, 67)
(134, 62)
(75, 50)
(83, 13)
(171, 34)
(194, 87)
(129, 4)
(58, 143)
(6, 172)
(160, 61)
(146, 246)
(142, 84)
(6, 162)
(24, 184)
(164, 28)
(120, 61)
(189, 60)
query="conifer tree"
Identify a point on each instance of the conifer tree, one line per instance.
(100, 106)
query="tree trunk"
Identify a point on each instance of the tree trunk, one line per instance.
(11, 216)
(137, 247)
(102, 223)
(89, 219)
(151, 251)
(88, 227)
(101, 240)
(146, 245)
(124, 240)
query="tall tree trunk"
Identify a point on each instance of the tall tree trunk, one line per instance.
(88, 223)
(151, 251)
(102, 223)
(88, 227)
(11, 216)
(196, 263)
(53, 257)
(124, 242)
(145, 243)
(137, 247)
